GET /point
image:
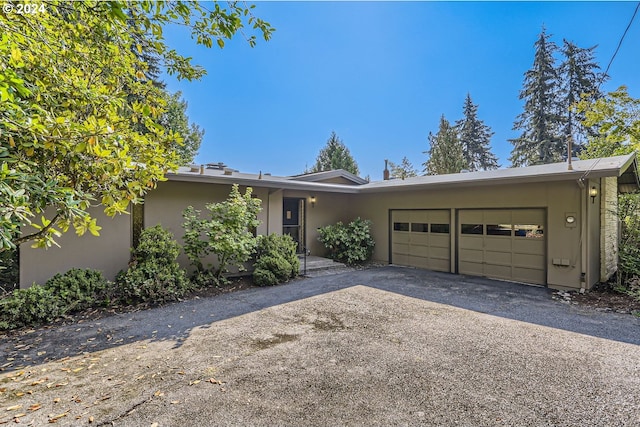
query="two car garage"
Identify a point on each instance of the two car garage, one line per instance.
(497, 243)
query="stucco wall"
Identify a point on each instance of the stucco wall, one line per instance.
(109, 252)
(593, 241)
(609, 237)
(557, 198)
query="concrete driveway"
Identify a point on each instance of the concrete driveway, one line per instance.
(386, 346)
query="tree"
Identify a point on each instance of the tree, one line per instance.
(617, 119)
(175, 120)
(404, 170)
(69, 115)
(541, 139)
(335, 155)
(475, 138)
(580, 81)
(445, 152)
(227, 232)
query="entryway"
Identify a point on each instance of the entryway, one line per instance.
(293, 220)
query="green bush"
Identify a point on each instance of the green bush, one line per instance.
(78, 289)
(9, 270)
(629, 248)
(154, 276)
(350, 244)
(276, 260)
(28, 307)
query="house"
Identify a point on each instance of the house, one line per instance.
(552, 225)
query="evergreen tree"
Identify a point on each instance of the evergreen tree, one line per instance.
(541, 140)
(445, 152)
(580, 81)
(176, 120)
(335, 155)
(475, 138)
(404, 170)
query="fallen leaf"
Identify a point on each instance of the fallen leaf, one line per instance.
(158, 393)
(90, 419)
(55, 418)
(78, 369)
(19, 394)
(173, 402)
(18, 416)
(14, 407)
(154, 424)
(194, 382)
(35, 407)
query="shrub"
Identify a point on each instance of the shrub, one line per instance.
(154, 276)
(27, 307)
(276, 260)
(629, 249)
(78, 289)
(9, 270)
(227, 233)
(350, 244)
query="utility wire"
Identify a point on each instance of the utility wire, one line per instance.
(606, 72)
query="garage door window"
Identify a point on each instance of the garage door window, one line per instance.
(498, 229)
(400, 226)
(471, 229)
(440, 228)
(419, 227)
(530, 231)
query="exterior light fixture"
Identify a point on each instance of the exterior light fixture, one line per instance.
(313, 201)
(593, 192)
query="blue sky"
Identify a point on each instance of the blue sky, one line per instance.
(381, 74)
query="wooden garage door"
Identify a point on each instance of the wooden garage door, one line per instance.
(505, 244)
(421, 238)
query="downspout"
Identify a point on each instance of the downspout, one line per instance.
(583, 233)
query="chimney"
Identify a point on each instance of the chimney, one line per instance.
(385, 173)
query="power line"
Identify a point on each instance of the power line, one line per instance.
(606, 72)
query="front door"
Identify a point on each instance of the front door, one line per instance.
(293, 220)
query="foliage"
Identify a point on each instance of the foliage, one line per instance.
(617, 119)
(351, 243)
(580, 81)
(540, 140)
(226, 233)
(176, 120)
(404, 170)
(74, 96)
(475, 138)
(629, 247)
(445, 152)
(78, 289)
(154, 276)
(335, 155)
(26, 307)
(9, 270)
(276, 260)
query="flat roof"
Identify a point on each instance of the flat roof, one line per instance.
(581, 170)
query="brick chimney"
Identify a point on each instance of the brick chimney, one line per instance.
(385, 173)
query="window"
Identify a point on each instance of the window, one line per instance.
(498, 229)
(440, 228)
(400, 226)
(471, 229)
(419, 227)
(529, 231)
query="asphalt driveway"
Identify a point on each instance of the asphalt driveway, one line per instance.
(386, 346)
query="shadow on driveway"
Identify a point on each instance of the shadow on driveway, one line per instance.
(174, 322)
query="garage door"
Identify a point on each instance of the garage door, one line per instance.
(503, 244)
(420, 238)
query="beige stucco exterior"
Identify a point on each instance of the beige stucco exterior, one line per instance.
(577, 254)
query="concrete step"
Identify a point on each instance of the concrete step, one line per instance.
(318, 266)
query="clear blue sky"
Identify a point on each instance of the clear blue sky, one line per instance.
(380, 74)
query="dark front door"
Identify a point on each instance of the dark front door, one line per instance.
(293, 220)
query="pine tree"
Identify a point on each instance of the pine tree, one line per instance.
(335, 155)
(580, 81)
(541, 140)
(475, 138)
(404, 170)
(445, 152)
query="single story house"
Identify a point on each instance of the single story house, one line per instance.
(553, 225)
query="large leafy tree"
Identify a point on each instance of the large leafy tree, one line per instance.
(335, 155)
(541, 139)
(475, 138)
(79, 113)
(580, 81)
(617, 120)
(445, 151)
(403, 170)
(175, 119)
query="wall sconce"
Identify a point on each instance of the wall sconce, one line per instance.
(593, 192)
(313, 201)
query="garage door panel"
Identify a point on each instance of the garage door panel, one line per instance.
(419, 216)
(471, 243)
(440, 253)
(500, 258)
(529, 275)
(497, 244)
(421, 239)
(439, 217)
(472, 268)
(400, 216)
(439, 264)
(401, 238)
(419, 250)
(498, 271)
(528, 246)
(530, 261)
